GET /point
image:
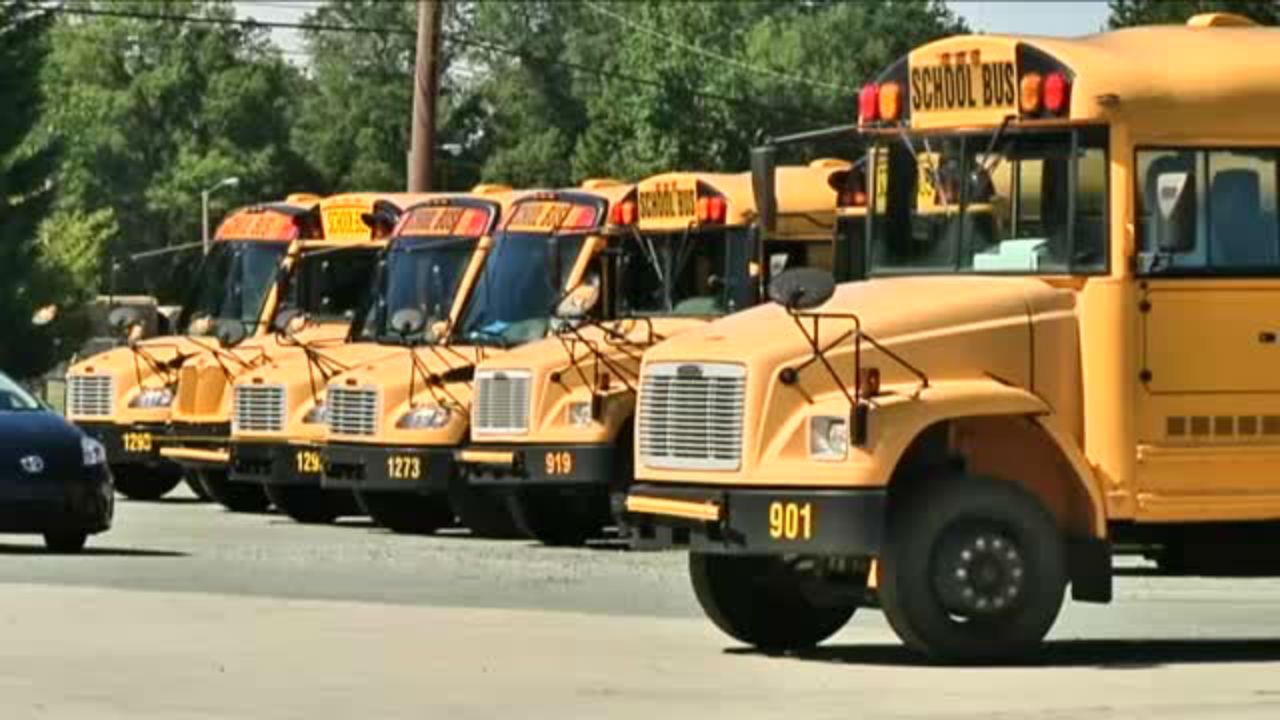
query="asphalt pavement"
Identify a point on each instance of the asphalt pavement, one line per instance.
(187, 611)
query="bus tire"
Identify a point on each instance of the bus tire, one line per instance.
(139, 482)
(556, 519)
(234, 496)
(407, 513)
(484, 512)
(311, 505)
(973, 570)
(196, 488)
(757, 600)
(65, 542)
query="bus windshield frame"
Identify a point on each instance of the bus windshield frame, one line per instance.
(234, 273)
(316, 279)
(695, 272)
(1034, 201)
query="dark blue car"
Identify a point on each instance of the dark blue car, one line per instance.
(53, 478)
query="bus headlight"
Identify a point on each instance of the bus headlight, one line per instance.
(828, 437)
(152, 398)
(580, 414)
(318, 415)
(427, 417)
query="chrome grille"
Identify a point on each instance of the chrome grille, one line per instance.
(353, 411)
(690, 416)
(90, 395)
(258, 408)
(502, 402)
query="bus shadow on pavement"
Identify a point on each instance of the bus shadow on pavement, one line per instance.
(1105, 654)
(90, 551)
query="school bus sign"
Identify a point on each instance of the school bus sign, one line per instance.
(956, 84)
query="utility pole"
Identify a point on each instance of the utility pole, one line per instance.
(426, 90)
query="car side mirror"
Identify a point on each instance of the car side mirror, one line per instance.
(579, 302)
(802, 288)
(1175, 226)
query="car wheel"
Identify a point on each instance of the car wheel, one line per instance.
(65, 541)
(973, 569)
(234, 496)
(139, 482)
(761, 601)
(407, 513)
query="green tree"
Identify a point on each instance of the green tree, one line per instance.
(152, 111)
(1127, 13)
(26, 188)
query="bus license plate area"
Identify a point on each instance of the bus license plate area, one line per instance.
(819, 522)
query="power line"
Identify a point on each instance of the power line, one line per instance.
(698, 50)
(376, 30)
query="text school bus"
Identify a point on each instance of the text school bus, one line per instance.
(314, 295)
(122, 396)
(1015, 393)
(279, 409)
(551, 424)
(394, 424)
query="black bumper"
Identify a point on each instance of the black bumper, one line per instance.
(85, 503)
(563, 466)
(198, 436)
(763, 522)
(424, 470)
(276, 464)
(136, 444)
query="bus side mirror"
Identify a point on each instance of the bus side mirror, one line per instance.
(230, 333)
(802, 288)
(764, 171)
(408, 321)
(1175, 226)
(579, 302)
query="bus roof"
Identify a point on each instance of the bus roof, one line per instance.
(443, 214)
(806, 198)
(1214, 77)
(279, 220)
(567, 208)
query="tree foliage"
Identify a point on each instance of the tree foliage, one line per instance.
(1127, 13)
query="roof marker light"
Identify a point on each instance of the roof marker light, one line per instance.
(1057, 93)
(1030, 97)
(869, 103)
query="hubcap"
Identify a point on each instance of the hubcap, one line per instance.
(979, 572)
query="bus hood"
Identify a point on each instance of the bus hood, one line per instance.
(151, 365)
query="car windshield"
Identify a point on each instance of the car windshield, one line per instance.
(512, 300)
(1021, 202)
(329, 284)
(421, 273)
(232, 283)
(14, 398)
(693, 273)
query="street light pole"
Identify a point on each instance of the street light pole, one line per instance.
(204, 207)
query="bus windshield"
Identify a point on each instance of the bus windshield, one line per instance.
(421, 273)
(682, 273)
(329, 284)
(513, 299)
(232, 283)
(1020, 202)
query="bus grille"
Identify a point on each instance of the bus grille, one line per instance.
(502, 402)
(353, 411)
(690, 416)
(90, 395)
(258, 408)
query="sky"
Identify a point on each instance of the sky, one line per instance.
(1045, 17)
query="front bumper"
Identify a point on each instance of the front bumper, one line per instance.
(564, 466)
(766, 521)
(198, 446)
(351, 466)
(85, 503)
(132, 444)
(276, 463)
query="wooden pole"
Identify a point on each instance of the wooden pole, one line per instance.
(426, 90)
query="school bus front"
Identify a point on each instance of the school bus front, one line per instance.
(1064, 345)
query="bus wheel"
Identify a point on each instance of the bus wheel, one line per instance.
(407, 513)
(973, 569)
(138, 482)
(234, 496)
(194, 485)
(484, 512)
(65, 542)
(312, 505)
(558, 520)
(762, 601)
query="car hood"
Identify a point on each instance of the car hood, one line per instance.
(41, 433)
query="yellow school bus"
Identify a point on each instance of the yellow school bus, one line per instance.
(310, 301)
(551, 424)
(279, 411)
(394, 424)
(122, 396)
(1086, 364)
